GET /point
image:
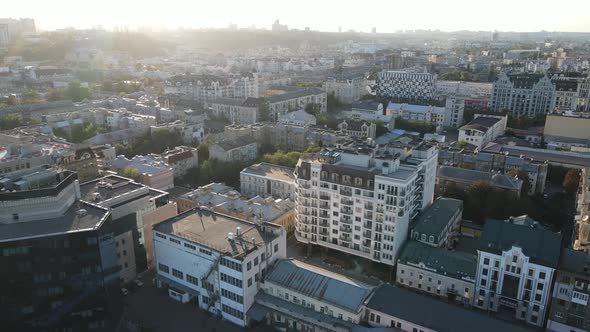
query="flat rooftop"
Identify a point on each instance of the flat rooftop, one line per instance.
(108, 187)
(276, 172)
(81, 216)
(212, 229)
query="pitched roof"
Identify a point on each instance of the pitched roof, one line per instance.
(436, 217)
(454, 264)
(541, 245)
(434, 314)
(319, 284)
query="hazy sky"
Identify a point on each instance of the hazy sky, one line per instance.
(385, 15)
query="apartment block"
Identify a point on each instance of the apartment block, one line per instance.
(523, 94)
(406, 85)
(360, 198)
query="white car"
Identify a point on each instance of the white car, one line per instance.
(138, 282)
(124, 291)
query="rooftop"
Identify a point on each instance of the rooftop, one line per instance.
(319, 284)
(482, 123)
(454, 264)
(230, 144)
(112, 186)
(541, 245)
(414, 108)
(434, 314)
(469, 176)
(437, 216)
(276, 172)
(366, 105)
(213, 230)
(574, 261)
(81, 216)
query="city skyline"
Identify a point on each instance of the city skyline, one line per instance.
(417, 15)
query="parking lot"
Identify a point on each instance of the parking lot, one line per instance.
(151, 309)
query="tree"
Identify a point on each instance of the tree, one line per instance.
(289, 159)
(263, 112)
(571, 181)
(53, 95)
(132, 173)
(76, 92)
(333, 103)
(462, 144)
(381, 128)
(328, 120)
(60, 132)
(203, 152)
(11, 121)
(313, 109)
(31, 97)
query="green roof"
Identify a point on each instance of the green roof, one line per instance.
(454, 264)
(437, 216)
(542, 246)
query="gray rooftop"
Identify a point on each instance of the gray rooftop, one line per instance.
(575, 261)
(211, 229)
(81, 216)
(108, 187)
(272, 171)
(434, 314)
(230, 144)
(294, 93)
(541, 245)
(469, 176)
(454, 264)
(320, 284)
(437, 216)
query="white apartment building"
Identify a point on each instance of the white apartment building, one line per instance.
(238, 111)
(264, 179)
(216, 260)
(516, 262)
(523, 94)
(360, 199)
(181, 159)
(436, 116)
(406, 85)
(483, 129)
(346, 89)
(285, 99)
(240, 149)
(454, 110)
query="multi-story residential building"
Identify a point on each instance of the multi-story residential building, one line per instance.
(437, 271)
(360, 199)
(406, 85)
(225, 200)
(438, 225)
(454, 110)
(494, 162)
(154, 172)
(358, 129)
(463, 178)
(129, 201)
(433, 115)
(303, 297)
(569, 309)
(241, 149)
(367, 110)
(238, 111)
(523, 94)
(264, 179)
(483, 129)
(517, 259)
(346, 88)
(298, 118)
(216, 260)
(55, 253)
(407, 311)
(285, 98)
(181, 159)
(209, 87)
(572, 91)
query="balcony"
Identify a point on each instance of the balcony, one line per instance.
(346, 228)
(368, 206)
(346, 220)
(346, 201)
(368, 224)
(367, 234)
(323, 232)
(368, 216)
(346, 210)
(346, 238)
(379, 210)
(324, 214)
(345, 192)
(325, 197)
(324, 205)
(323, 224)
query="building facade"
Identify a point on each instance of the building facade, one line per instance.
(523, 94)
(265, 180)
(406, 85)
(359, 199)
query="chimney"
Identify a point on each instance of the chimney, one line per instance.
(230, 236)
(238, 231)
(254, 242)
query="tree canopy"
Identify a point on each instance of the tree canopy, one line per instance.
(11, 121)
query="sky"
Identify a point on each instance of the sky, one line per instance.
(323, 15)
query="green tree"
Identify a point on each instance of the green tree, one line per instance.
(313, 109)
(333, 103)
(31, 97)
(264, 112)
(132, 173)
(328, 120)
(11, 121)
(53, 95)
(462, 144)
(203, 152)
(571, 181)
(76, 92)
(60, 132)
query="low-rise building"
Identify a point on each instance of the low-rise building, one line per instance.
(181, 159)
(439, 224)
(241, 149)
(215, 260)
(367, 110)
(346, 88)
(264, 179)
(483, 129)
(297, 118)
(358, 129)
(286, 98)
(399, 308)
(154, 173)
(567, 131)
(238, 111)
(433, 115)
(462, 178)
(297, 295)
(517, 259)
(440, 272)
(569, 302)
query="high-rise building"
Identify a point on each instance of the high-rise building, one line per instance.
(406, 86)
(360, 198)
(523, 94)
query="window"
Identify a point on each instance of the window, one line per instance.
(249, 266)
(236, 266)
(249, 282)
(231, 311)
(177, 274)
(542, 275)
(161, 235)
(276, 247)
(262, 256)
(171, 240)
(190, 246)
(205, 251)
(192, 280)
(232, 296)
(256, 261)
(163, 268)
(231, 280)
(486, 261)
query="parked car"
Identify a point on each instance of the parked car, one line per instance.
(124, 291)
(138, 283)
